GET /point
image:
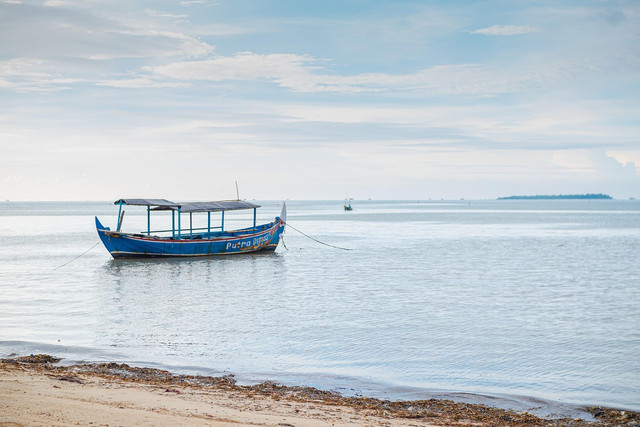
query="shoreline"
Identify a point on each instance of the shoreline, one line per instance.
(112, 393)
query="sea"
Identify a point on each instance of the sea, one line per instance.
(527, 304)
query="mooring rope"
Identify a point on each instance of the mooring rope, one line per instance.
(68, 262)
(316, 240)
(288, 225)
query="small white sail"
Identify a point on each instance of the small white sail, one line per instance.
(283, 213)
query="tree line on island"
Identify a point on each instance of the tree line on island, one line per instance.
(559, 196)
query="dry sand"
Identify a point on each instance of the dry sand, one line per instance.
(34, 391)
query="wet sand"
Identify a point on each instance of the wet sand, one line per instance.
(35, 391)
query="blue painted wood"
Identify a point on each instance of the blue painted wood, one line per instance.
(173, 224)
(264, 237)
(119, 213)
(179, 225)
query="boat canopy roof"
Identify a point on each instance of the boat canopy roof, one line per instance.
(223, 205)
(146, 202)
(164, 205)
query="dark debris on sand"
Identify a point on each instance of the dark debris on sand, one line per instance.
(436, 411)
(614, 417)
(33, 358)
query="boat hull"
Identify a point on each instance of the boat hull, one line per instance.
(125, 245)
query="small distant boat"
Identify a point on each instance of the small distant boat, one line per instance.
(191, 242)
(347, 204)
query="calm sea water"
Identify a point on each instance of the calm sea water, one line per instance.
(524, 298)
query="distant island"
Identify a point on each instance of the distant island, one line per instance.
(559, 196)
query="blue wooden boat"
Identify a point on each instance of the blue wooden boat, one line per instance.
(179, 242)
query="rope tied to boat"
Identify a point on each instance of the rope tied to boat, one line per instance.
(69, 262)
(288, 225)
(316, 240)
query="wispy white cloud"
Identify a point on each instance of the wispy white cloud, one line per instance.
(506, 30)
(160, 43)
(63, 30)
(139, 83)
(289, 70)
(157, 14)
(199, 2)
(30, 75)
(235, 29)
(56, 3)
(303, 73)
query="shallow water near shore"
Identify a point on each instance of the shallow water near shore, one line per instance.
(493, 298)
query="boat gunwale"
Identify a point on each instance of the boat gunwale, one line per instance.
(157, 239)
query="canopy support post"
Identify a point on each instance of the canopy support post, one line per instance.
(254, 216)
(209, 222)
(222, 225)
(119, 213)
(148, 220)
(173, 224)
(191, 223)
(179, 224)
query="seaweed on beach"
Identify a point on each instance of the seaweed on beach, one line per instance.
(436, 411)
(33, 358)
(614, 417)
(151, 375)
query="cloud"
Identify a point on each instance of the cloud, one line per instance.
(597, 163)
(288, 70)
(62, 30)
(56, 3)
(30, 75)
(506, 30)
(242, 66)
(157, 14)
(90, 33)
(304, 73)
(150, 43)
(627, 158)
(139, 82)
(198, 2)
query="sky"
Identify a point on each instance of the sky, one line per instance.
(101, 100)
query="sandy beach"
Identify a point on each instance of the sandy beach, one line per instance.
(35, 391)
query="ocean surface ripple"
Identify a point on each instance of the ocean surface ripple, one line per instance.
(508, 298)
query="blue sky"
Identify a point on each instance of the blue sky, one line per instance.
(311, 100)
